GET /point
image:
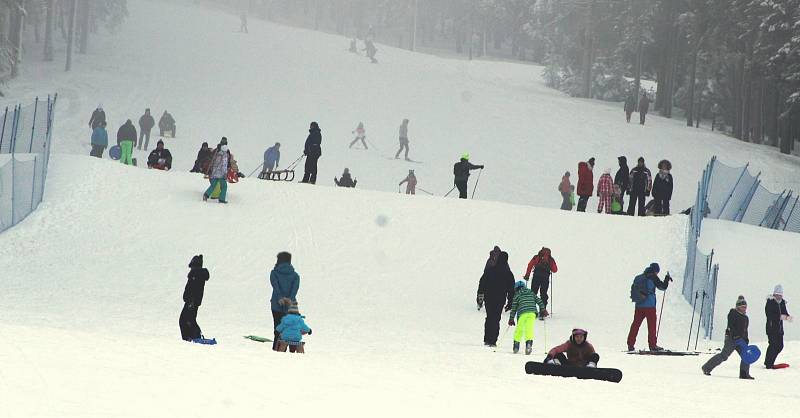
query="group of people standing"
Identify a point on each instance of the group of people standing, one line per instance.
(126, 134)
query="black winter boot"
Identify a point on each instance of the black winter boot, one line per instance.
(516, 347)
(528, 347)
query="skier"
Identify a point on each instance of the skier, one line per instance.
(99, 140)
(203, 159)
(166, 124)
(605, 190)
(565, 188)
(126, 138)
(361, 135)
(735, 334)
(411, 182)
(543, 265)
(291, 328)
(622, 178)
(160, 158)
(243, 22)
(576, 352)
(662, 188)
(221, 161)
(496, 288)
(285, 284)
(776, 312)
(525, 307)
(371, 50)
(403, 139)
(192, 298)
(644, 106)
(630, 107)
(146, 123)
(98, 117)
(643, 292)
(461, 171)
(346, 180)
(585, 183)
(312, 151)
(640, 184)
(272, 157)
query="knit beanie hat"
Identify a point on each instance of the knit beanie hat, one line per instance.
(740, 301)
(653, 268)
(293, 308)
(778, 290)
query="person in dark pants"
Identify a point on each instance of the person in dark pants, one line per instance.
(735, 333)
(461, 171)
(630, 107)
(98, 117)
(403, 139)
(585, 183)
(99, 140)
(203, 159)
(542, 265)
(146, 123)
(576, 352)
(496, 288)
(640, 184)
(622, 179)
(285, 284)
(490, 262)
(776, 312)
(662, 187)
(644, 106)
(312, 151)
(192, 298)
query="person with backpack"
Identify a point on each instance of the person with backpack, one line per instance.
(99, 140)
(543, 265)
(461, 171)
(312, 151)
(346, 180)
(146, 123)
(643, 293)
(585, 183)
(662, 188)
(525, 307)
(622, 178)
(641, 182)
(192, 298)
(776, 313)
(496, 288)
(565, 188)
(576, 352)
(735, 338)
(605, 190)
(629, 107)
(361, 135)
(126, 138)
(285, 283)
(411, 182)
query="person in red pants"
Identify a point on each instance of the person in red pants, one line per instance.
(643, 293)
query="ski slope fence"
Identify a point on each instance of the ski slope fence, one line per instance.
(25, 139)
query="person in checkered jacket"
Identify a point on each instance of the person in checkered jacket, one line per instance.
(605, 190)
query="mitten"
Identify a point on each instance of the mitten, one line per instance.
(511, 322)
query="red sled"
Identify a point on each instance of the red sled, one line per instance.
(233, 176)
(780, 366)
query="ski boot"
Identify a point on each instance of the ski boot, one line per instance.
(528, 347)
(631, 348)
(516, 347)
(656, 348)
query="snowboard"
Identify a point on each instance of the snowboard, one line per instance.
(207, 341)
(257, 338)
(664, 353)
(608, 375)
(780, 366)
(115, 152)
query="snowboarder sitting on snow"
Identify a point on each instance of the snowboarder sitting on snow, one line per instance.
(525, 307)
(411, 182)
(643, 292)
(160, 158)
(292, 328)
(166, 124)
(735, 335)
(192, 298)
(542, 265)
(346, 180)
(575, 352)
(203, 158)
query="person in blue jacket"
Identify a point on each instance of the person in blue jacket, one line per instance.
(643, 292)
(99, 140)
(272, 157)
(285, 284)
(292, 328)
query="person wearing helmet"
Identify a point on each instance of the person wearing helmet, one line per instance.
(525, 307)
(543, 265)
(461, 171)
(575, 352)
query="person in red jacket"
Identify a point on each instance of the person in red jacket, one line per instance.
(605, 189)
(585, 183)
(542, 265)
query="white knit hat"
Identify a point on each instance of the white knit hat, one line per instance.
(778, 290)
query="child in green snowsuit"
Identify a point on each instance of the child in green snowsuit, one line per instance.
(525, 306)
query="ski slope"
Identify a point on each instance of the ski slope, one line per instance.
(91, 281)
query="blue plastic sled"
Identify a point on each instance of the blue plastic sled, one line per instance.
(750, 353)
(208, 341)
(115, 152)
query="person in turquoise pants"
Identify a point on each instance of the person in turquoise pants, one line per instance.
(525, 307)
(218, 172)
(126, 138)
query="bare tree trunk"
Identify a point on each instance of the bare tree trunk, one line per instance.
(48, 29)
(588, 40)
(15, 36)
(71, 34)
(85, 10)
(692, 82)
(637, 77)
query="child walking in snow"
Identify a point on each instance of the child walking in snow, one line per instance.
(525, 307)
(292, 328)
(411, 182)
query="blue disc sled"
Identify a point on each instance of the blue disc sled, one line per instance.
(207, 341)
(115, 152)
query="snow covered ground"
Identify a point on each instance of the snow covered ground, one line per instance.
(91, 282)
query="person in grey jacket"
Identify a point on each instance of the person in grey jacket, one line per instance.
(403, 139)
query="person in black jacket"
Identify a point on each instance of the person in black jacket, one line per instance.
(98, 117)
(734, 335)
(346, 180)
(312, 151)
(496, 288)
(146, 123)
(192, 298)
(644, 106)
(203, 158)
(640, 184)
(622, 179)
(160, 158)
(461, 171)
(662, 188)
(776, 312)
(630, 107)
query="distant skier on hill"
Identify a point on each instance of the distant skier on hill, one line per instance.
(411, 182)
(496, 288)
(369, 47)
(543, 266)
(403, 139)
(192, 298)
(461, 171)
(585, 183)
(565, 188)
(643, 293)
(243, 22)
(630, 107)
(576, 352)
(146, 123)
(361, 135)
(166, 124)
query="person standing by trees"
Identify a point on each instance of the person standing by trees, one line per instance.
(644, 106)
(629, 107)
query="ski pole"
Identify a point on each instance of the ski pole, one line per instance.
(251, 174)
(552, 295)
(423, 190)
(702, 305)
(451, 191)
(663, 300)
(474, 189)
(398, 188)
(691, 323)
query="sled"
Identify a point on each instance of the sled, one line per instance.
(115, 152)
(258, 339)
(591, 373)
(277, 175)
(781, 366)
(206, 341)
